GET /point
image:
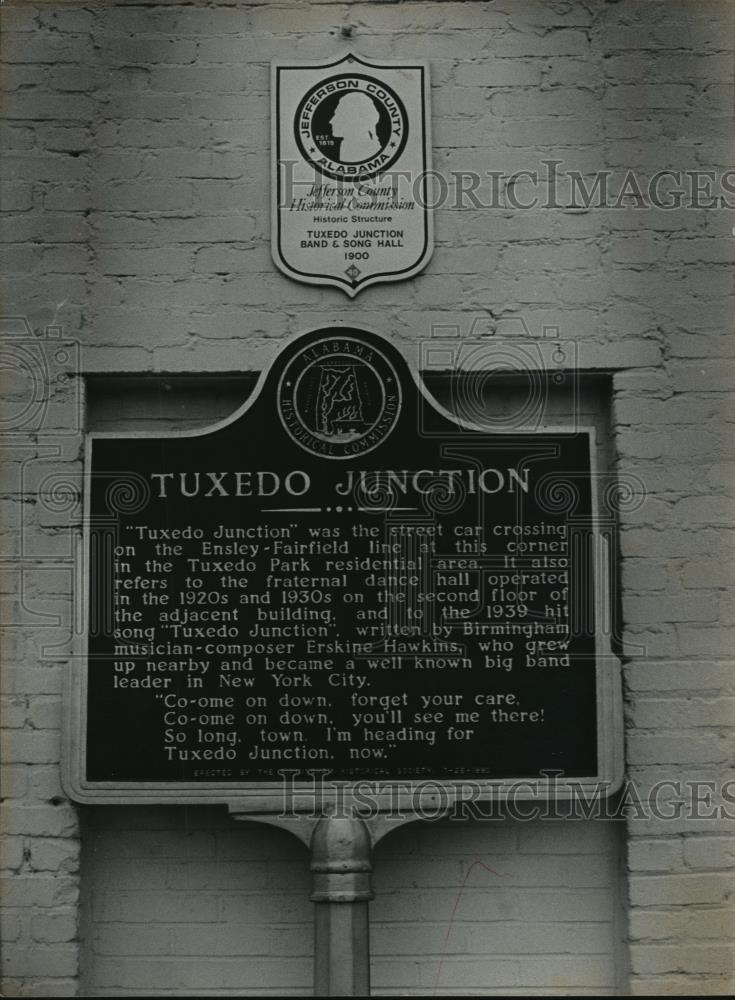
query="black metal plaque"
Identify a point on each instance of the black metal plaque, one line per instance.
(342, 576)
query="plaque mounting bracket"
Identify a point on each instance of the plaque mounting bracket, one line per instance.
(341, 848)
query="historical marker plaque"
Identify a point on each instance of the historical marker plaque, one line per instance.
(351, 160)
(341, 576)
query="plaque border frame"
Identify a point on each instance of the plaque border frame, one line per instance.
(264, 797)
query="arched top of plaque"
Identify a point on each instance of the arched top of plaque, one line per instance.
(339, 392)
(351, 168)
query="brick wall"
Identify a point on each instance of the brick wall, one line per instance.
(136, 198)
(185, 899)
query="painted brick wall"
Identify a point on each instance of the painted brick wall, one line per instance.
(185, 899)
(135, 190)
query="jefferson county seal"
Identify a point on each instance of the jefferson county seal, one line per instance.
(339, 398)
(351, 126)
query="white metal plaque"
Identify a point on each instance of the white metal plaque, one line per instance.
(351, 171)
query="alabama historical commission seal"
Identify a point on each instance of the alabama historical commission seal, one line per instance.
(351, 126)
(339, 397)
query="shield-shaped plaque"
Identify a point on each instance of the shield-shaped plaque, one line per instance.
(351, 171)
